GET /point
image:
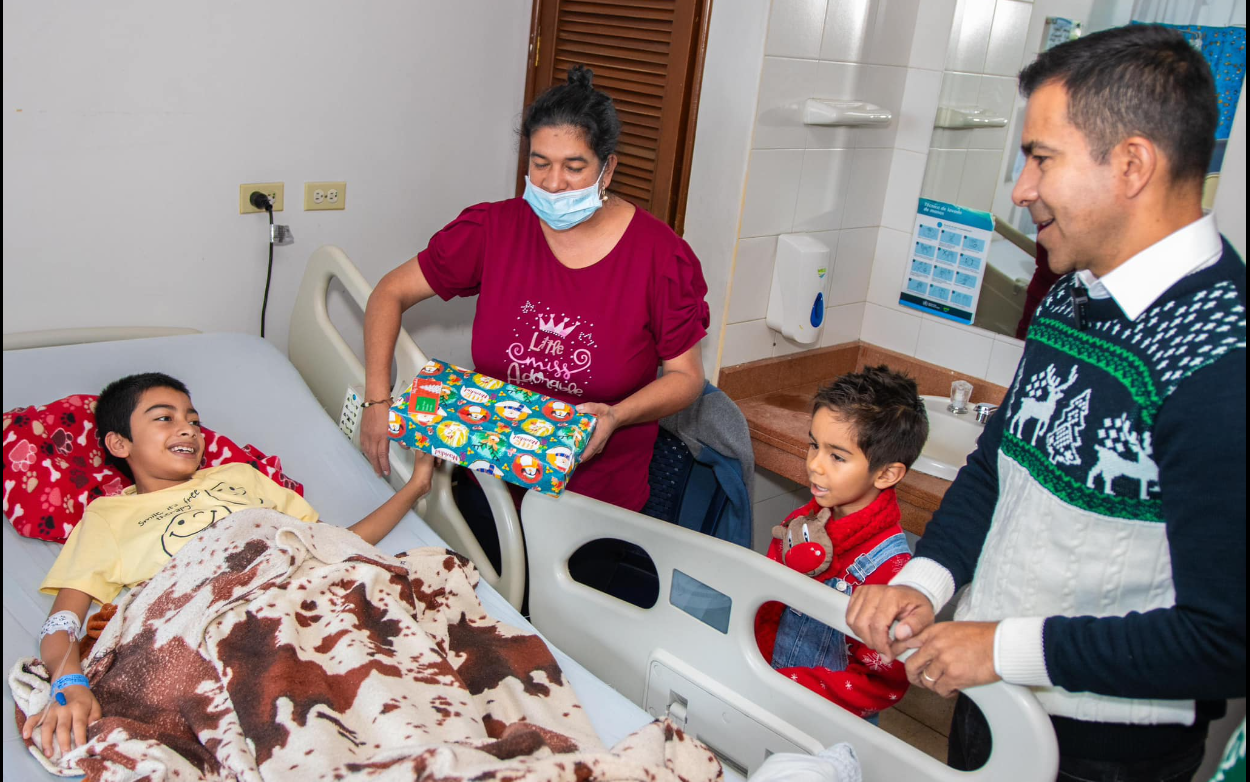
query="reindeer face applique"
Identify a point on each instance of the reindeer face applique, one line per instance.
(805, 545)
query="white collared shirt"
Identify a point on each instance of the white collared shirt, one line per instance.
(1141, 280)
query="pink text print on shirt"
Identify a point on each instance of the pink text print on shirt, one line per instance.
(550, 351)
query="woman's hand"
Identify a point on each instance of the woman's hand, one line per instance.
(65, 722)
(374, 441)
(604, 427)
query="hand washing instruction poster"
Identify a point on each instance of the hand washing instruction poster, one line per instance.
(948, 257)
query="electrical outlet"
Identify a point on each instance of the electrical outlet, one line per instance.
(325, 195)
(271, 189)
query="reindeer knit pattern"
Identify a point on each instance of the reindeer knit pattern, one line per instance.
(1083, 402)
(1072, 473)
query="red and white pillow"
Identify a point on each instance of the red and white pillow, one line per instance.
(54, 465)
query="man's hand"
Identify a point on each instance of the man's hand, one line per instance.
(951, 656)
(874, 608)
(605, 425)
(374, 441)
(65, 722)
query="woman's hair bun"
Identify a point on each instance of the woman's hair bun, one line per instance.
(581, 76)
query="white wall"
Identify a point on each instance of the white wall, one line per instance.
(731, 71)
(1230, 199)
(129, 126)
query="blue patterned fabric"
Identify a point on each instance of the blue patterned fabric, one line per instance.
(1225, 51)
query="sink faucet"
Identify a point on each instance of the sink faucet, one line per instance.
(983, 411)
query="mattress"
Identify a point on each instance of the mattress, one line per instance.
(246, 389)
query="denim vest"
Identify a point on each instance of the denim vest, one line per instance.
(803, 642)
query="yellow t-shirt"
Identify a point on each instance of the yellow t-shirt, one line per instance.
(125, 539)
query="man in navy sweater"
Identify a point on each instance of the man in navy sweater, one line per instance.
(1101, 522)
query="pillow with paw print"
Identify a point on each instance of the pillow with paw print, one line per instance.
(54, 466)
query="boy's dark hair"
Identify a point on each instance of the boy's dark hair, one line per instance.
(577, 104)
(118, 401)
(1142, 79)
(886, 410)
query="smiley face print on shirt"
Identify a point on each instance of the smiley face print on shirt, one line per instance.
(190, 523)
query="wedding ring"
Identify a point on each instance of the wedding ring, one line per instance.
(927, 677)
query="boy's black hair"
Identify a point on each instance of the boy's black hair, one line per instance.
(1144, 80)
(886, 410)
(118, 401)
(577, 104)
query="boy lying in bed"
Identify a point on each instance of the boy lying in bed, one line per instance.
(149, 428)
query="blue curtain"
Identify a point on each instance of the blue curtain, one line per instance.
(1225, 51)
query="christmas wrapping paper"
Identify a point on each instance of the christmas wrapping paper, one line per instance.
(491, 427)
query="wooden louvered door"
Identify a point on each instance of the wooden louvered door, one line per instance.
(647, 55)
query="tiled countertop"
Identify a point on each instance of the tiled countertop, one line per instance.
(776, 395)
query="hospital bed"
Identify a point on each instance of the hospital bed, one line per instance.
(691, 656)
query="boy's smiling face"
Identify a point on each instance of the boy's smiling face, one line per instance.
(838, 471)
(166, 443)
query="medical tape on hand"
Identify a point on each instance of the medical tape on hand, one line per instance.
(61, 620)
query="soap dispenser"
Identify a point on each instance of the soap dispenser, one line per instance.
(796, 302)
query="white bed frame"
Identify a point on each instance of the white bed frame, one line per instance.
(661, 657)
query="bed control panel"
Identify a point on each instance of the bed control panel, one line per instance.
(349, 419)
(738, 732)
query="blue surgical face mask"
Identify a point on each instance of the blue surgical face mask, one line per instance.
(564, 210)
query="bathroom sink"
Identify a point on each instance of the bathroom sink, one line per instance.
(951, 438)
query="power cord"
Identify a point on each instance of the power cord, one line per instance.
(262, 201)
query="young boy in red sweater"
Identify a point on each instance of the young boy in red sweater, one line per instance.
(867, 428)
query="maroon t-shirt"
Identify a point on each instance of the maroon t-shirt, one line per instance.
(595, 334)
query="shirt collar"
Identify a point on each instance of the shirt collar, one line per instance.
(1141, 280)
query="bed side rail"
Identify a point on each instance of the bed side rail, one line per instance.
(328, 365)
(24, 340)
(666, 660)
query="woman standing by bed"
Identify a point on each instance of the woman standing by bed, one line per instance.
(581, 295)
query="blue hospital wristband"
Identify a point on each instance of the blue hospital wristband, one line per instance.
(69, 680)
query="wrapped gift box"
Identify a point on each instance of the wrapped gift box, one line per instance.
(491, 427)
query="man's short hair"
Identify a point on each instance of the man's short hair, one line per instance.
(118, 401)
(1140, 80)
(886, 411)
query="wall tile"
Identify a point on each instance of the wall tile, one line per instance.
(770, 484)
(889, 267)
(853, 267)
(970, 36)
(958, 90)
(847, 27)
(1007, 35)
(784, 85)
(980, 179)
(932, 34)
(920, 102)
(771, 191)
(906, 175)
(822, 189)
(835, 81)
(746, 342)
(884, 86)
(795, 28)
(892, 329)
(752, 279)
(944, 168)
(870, 172)
(997, 95)
(1004, 358)
(842, 324)
(951, 348)
(890, 37)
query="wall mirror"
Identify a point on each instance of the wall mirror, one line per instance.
(974, 155)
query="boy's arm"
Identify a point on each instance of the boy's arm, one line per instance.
(377, 525)
(59, 652)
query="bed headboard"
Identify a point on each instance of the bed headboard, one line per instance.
(24, 340)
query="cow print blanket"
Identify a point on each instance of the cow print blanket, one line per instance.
(273, 649)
